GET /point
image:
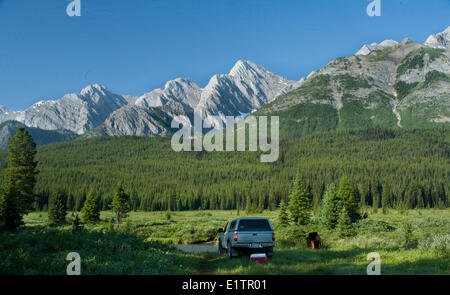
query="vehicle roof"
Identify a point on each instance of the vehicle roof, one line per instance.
(251, 218)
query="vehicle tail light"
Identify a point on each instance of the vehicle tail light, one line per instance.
(235, 237)
(273, 236)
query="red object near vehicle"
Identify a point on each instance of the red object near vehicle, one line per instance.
(259, 258)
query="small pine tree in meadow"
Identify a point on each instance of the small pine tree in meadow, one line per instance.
(344, 225)
(57, 209)
(299, 204)
(331, 207)
(120, 203)
(90, 211)
(76, 224)
(346, 194)
(407, 233)
(283, 216)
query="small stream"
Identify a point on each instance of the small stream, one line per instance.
(208, 247)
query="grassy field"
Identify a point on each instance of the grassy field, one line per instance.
(415, 242)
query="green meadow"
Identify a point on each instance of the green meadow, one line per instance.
(409, 242)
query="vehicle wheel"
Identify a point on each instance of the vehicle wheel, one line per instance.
(269, 252)
(229, 250)
(221, 250)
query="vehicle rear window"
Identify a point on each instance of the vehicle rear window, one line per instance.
(254, 225)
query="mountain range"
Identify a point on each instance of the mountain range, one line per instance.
(404, 84)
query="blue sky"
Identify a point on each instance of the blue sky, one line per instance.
(135, 46)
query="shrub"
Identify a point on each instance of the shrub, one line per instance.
(438, 243)
(368, 242)
(432, 221)
(374, 226)
(76, 224)
(407, 235)
(294, 234)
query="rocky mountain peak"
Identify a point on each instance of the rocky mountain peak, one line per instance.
(94, 93)
(367, 49)
(243, 67)
(439, 40)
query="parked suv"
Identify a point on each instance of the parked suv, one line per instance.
(253, 235)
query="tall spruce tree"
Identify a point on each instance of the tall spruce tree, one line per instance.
(20, 179)
(120, 203)
(10, 217)
(283, 216)
(331, 207)
(346, 194)
(90, 211)
(299, 203)
(57, 209)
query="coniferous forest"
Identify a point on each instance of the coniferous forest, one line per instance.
(388, 168)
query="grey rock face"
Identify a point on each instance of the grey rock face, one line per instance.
(180, 90)
(75, 112)
(133, 120)
(10, 115)
(245, 89)
(439, 40)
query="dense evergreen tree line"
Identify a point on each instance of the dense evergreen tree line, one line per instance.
(386, 168)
